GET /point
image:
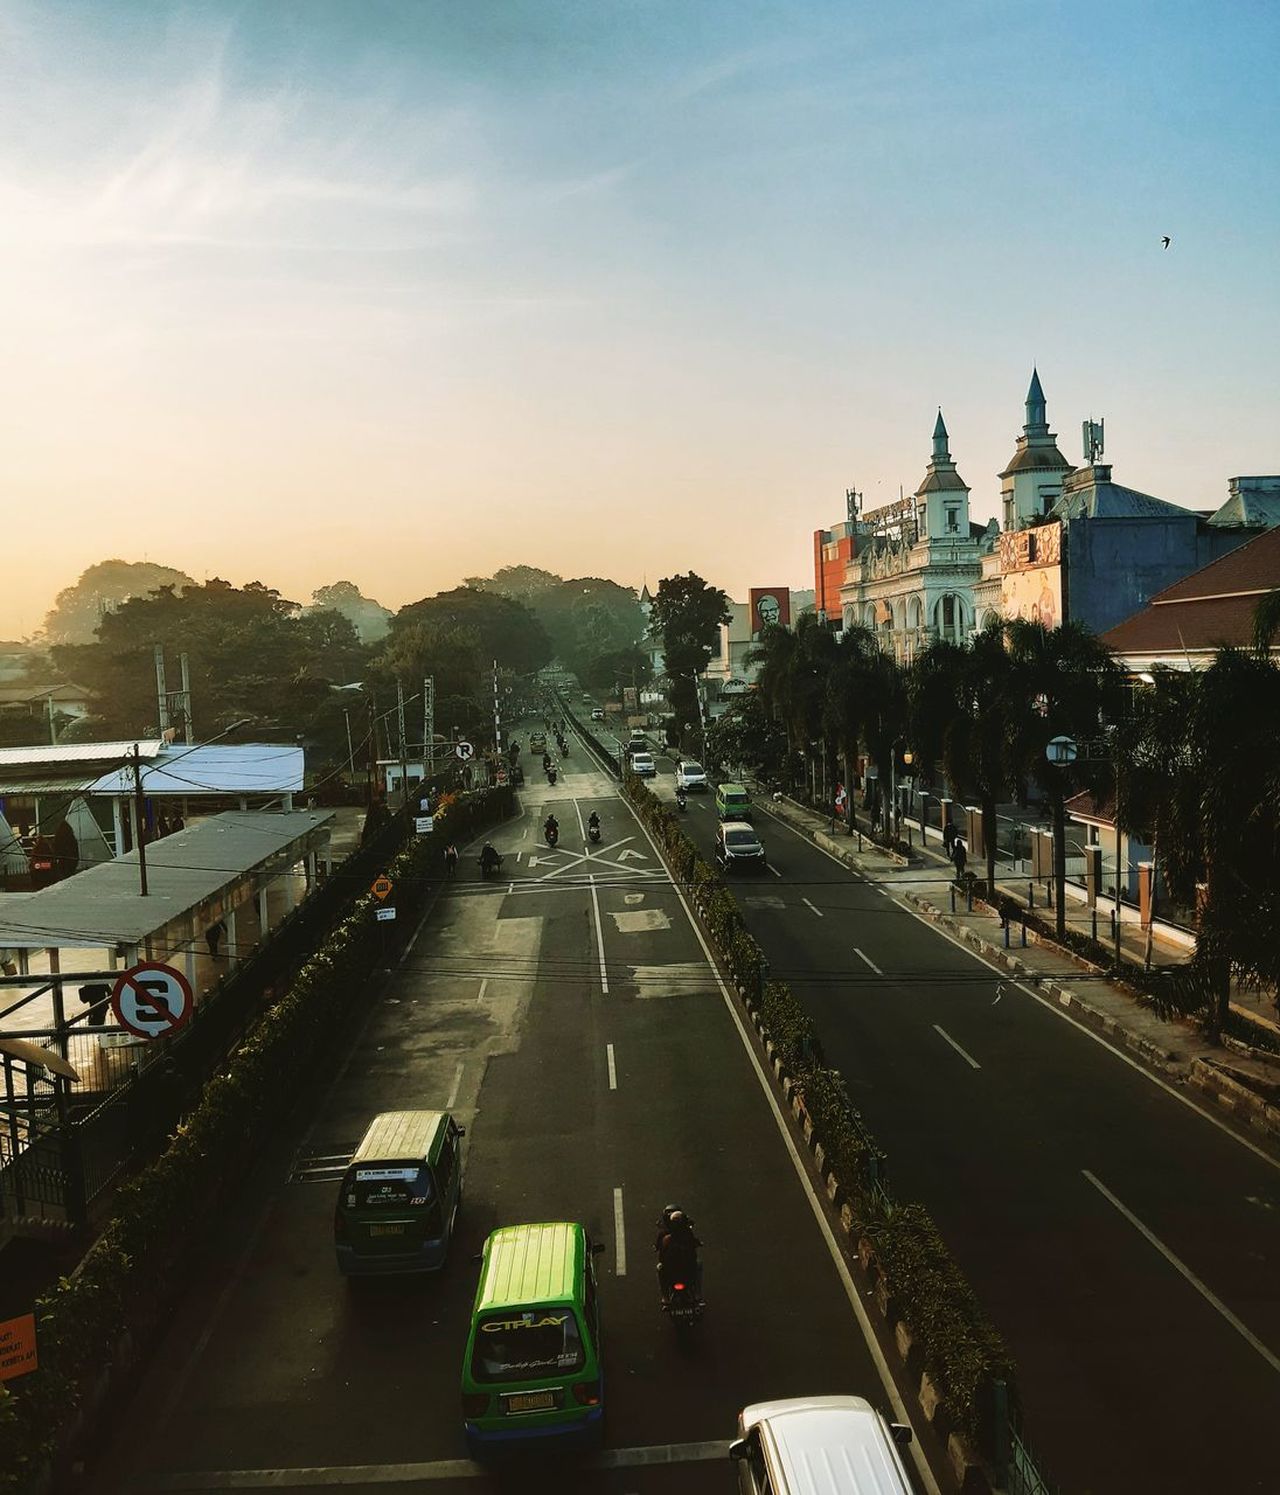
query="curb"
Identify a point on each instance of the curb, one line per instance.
(971, 1474)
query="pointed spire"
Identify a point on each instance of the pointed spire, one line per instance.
(1037, 420)
(940, 450)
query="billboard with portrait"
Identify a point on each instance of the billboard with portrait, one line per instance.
(770, 605)
(1031, 574)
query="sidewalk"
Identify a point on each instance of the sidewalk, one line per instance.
(1248, 1087)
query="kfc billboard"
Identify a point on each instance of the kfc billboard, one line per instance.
(770, 605)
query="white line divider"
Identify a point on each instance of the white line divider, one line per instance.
(619, 1235)
(816, 910)
(1247, 1334)
(864, 957)
(613, 1068)
(457, 1084)
(968, 1058)
(484, 987)
(595, 906)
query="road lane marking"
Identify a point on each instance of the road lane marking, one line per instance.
(619, 1235)
(1039, 997)
(817, 911)
(595, 907)
(582, 830)
(773, 869)
(1180, 1266)
(613, 1069)
(968, 1058)
(336, 1476)
(868, 960)
(519, 854)
(484, 987)
(511, 887)
(457, 1082)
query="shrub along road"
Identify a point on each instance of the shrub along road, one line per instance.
(569, 1017)
(1123, 1242)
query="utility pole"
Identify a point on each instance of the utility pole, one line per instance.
(497, 724)
(188, 731)
(162, 693)
(140, 811)
(429, 728)
(404, 756)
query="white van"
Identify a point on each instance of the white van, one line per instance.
(819, 1445)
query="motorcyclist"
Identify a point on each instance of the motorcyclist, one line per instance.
(489, 857)
(546, 760)
(451, 859)
(551, 829)
(678, 1254)
(682, 797)
(593, 821)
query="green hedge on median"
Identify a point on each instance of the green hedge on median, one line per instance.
(122, 1283)
(960, 1347)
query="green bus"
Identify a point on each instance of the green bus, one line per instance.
(533, 1371)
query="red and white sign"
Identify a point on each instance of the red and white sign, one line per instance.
(770, 605)
(842, 799)
(152, 1000)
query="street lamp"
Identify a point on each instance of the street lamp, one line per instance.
(908, 758)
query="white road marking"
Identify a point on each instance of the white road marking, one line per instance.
(582, 830)
(619, 1235)
(868, 960)
(457, 1082)
(595, 908)
(613, 1069)
(484, 987)
(519, 854)
(524, 833)
(1180, 1266)
(336, 1476)
(511, 887)
(817, 911)
(773, 869)
(968, 1059)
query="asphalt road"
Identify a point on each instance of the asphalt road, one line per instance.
(568, 1015)
(1124, 1241)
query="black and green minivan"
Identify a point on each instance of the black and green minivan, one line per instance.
(399, 1197)
(533, 1372)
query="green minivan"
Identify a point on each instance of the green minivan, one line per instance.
(733, 802)
(400, 1195)
(533, 1372)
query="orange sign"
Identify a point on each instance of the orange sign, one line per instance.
(381, 887)
(17, 1346)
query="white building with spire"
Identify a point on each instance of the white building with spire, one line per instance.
(915, 564)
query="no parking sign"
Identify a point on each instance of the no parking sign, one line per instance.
(152, 1000)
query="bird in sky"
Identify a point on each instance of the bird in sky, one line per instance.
(1166, 241)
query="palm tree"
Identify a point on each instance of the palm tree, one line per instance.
(1063, 682)
(847, 695)
(793, 670)
(1266, 622)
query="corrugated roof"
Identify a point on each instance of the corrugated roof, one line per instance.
(102, 905)
(238, 768)
(79, 752)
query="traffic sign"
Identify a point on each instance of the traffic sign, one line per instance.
(17, 1346)
(385, 915)
(381, 887)
(152, 1000)
(423, 823)
(464, 750)
(1061, 750)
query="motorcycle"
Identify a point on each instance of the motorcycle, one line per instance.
(593, 834)
(552, 835)
(490, 868)
(683, 1306)
(682, 804)
(551, 776)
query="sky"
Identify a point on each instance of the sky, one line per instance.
(400, 291)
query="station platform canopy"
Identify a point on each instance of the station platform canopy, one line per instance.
(194, 873)
(104, 768)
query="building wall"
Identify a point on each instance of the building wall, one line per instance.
(833, 549)
(1115, 566)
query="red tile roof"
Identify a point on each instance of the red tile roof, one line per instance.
(1206, 610)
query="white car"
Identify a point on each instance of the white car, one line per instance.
(597, 714)
(643, 766)
(691, 777)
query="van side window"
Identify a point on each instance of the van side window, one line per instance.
(760, 1481)
(592, 1307)
(448, 1164)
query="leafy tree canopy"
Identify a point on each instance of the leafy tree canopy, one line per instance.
(506, 629)
(370, 619)
(585, 617)
(77, 610)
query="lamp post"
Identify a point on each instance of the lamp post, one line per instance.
(908, 758)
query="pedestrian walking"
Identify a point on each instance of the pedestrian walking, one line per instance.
(960, 856)
(949, 840)
(213, 937)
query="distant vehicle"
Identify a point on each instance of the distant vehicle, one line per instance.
(637, 743)
(597, 714)
(586, 698)
(821, 1445)
(643, 766)
(691, 776)
(733, 802)
(738, 847)
(537, 742)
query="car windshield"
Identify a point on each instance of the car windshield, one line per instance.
(515, 1345)
(740, 838)
(396, 1186)
(692, 768)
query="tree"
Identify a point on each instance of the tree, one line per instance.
(687, 614)
(1063, 682)
(521, 583)
(749, 736)
(584, 617)
(77, 610)
(370, 619)
(507, 631)
(620, 667)
(962, 697)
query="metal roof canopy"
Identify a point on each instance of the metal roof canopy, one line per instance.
(246, 768)
(78, 752)
(185, 872)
